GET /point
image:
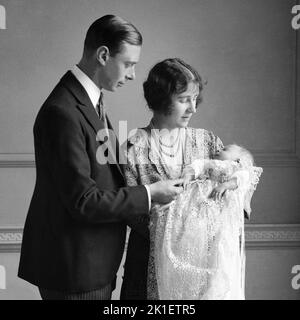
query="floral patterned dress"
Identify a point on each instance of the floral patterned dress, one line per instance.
(146, 166)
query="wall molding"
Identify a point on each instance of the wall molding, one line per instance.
(17, 160)
(10, 239)
(264, 159)
(276, 159)
(258, 236)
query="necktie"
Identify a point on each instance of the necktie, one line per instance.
(100, 107)
(102, 113)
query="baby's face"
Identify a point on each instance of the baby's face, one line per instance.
(228, 153)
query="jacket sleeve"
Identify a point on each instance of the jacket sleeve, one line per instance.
(62, 140)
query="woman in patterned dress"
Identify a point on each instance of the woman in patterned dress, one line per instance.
(161, 151)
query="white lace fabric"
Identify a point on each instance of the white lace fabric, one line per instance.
(199, 242)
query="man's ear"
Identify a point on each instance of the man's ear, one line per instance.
(102, 55)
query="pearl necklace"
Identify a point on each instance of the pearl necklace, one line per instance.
(165, 160)
(161, 144)
(171, 145)
(171, 155)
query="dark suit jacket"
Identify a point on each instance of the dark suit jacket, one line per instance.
(75, 229)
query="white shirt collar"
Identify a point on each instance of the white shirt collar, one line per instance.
(90, 87)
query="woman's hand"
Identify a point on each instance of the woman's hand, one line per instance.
(221, 189)
(187, 178)
(188, 175)
(218, 192)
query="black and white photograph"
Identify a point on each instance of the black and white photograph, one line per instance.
(150, 151)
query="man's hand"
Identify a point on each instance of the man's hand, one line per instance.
(165, 191)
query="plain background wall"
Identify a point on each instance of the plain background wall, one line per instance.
(246, 50)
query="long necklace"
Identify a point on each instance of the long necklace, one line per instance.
(171, 145)
(169, 154)
(161, 144)
(164, 162)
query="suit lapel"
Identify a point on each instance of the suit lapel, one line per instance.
(84, 103)
(87, 109)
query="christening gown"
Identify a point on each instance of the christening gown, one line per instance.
(199, 242)
(196, 244)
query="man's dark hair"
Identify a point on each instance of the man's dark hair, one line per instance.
(111, 31)
(167, 78)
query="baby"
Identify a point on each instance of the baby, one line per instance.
(235, 157)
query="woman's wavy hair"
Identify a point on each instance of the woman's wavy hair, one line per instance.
(167, 78)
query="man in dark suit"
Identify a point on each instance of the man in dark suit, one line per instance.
(75, 229)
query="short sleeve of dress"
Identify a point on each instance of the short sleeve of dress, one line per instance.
(215, 144)
(131, 149)
(205, 144)
(218, 144)
(134, 150)
(130, 168)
